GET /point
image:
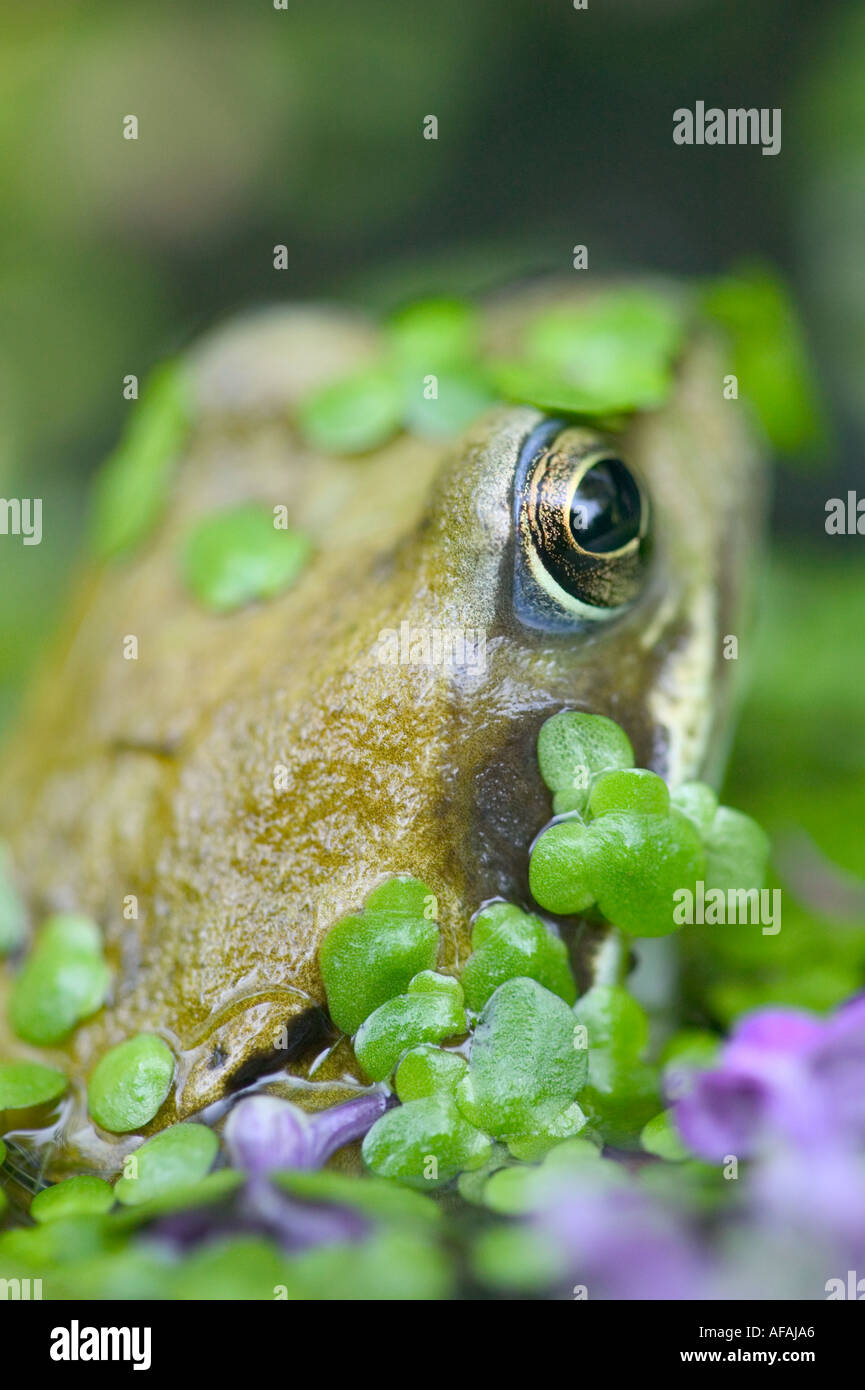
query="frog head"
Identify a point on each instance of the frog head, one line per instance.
(223, 797)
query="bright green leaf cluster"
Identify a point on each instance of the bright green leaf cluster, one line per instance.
(527, 1064)
(434, 338)
(622, 1091)
(610, 355)
(628, 847)
(431, 1009)
(425, 1142)
(64, 980)
(370, 957)
(508, 943)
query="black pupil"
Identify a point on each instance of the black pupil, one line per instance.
(606, 509)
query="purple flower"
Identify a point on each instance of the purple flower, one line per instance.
(264, 1133)
(784, 1076)
(620, 1243)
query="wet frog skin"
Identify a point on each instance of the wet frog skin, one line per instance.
(253, 775)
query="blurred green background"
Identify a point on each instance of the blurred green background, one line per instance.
(303, 126)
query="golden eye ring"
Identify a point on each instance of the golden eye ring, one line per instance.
(583, 525)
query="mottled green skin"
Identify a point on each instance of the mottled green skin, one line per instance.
(155, 777)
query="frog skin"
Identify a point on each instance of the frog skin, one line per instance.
(157, 777)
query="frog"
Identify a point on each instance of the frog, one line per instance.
(220, 801)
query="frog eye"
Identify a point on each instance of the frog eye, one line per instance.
(581, 515)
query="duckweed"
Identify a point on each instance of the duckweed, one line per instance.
(608, 355)
(508, 943)
(79, 1196)
(355, 414)
(572, 748)
(130, 1083)
(425, 1142)
(431, 1009)
(177, 1157)
(238, 555)
(369, 958)
(27, 1084)
(526, 1065)
(132, 489)
(64, 980)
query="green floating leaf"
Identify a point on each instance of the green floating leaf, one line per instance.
(770, 357)
(79, 1196)
(130, 1083)
(238, 556)
(12, 916)
(564, 867)
(428, 1071)
(530, 1147)
(64, 981)
(517, 1257)
(233, 1269)
(460, 397)
(645, 861)
(430, 1010)
(369, 958)
(612, 355)
(424, 1143)
(376, 1198)
(527, 1065)
(25, 1084)
(178, 1157)
(433, 334)
(698, 802)
(622, 1090)
(354, 415)
(631, 789)
(660, 1137)
(573, 747)
(131, 490)
(629, 863)
(508, 943)
(737, 852)
(390, 1265)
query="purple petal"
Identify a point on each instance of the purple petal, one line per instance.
(621, 1245)
(332, 1129)
(725, 1112)
(788, 1031)
(301, 1225)
(264, 1133)
(837, 1070)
